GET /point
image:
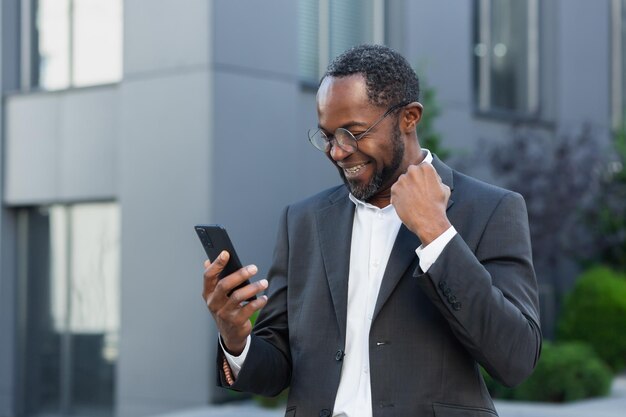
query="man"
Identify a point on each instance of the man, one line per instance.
(386, 294)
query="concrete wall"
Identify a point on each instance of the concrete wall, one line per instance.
(583, 73)
(69, 153)
(165, 153)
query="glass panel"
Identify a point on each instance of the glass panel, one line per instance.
(97, 36)
(308, 51)
(94, 304)
(53, 44)
(350, 25)
(506, 55)
(509, 54)
(72, 309)
(85, 33)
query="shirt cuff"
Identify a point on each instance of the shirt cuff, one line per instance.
(235, 362)
(428, 254)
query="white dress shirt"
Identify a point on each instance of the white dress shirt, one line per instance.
(374, 232)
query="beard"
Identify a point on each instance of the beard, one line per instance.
(381, 177)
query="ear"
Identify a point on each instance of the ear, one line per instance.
(411, 116)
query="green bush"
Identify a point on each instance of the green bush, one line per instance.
(595, 313)
(566, 372)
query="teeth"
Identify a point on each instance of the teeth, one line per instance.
(354, 170)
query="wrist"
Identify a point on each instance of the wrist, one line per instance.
(431, 231)
(234, 349)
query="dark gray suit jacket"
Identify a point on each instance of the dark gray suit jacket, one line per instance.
(477, 304)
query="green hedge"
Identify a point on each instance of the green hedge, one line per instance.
(595, 313)
(565, 372)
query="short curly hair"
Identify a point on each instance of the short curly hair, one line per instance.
(389, 78)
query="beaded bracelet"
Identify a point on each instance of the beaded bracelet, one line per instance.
(227, 372)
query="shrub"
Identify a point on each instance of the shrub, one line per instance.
(546, 171)
(566, 372)
(595, 313)
(607, 217)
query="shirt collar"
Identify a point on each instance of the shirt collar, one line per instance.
(428, 159)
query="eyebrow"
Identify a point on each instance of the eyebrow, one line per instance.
(346, 126)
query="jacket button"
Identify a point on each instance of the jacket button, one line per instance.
(339, 355)
(452, 299)
(442, 285)
(447, 291)
(456, 306)
(324, 413)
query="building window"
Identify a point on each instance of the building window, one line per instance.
(69, 268)
(506, 56)
(618, 64)
(327, 28)
(75, 43)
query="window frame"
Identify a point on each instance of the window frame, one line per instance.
(29, 59)
(481, 66)
(378, 13)
(618, 49)
(66, 402)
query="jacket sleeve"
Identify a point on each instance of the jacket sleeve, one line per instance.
(267, 368)
(489, 296)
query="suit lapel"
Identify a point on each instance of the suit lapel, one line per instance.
(403, 253)
(334, 224)
(445, 172)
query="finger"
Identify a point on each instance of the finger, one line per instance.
(413, 169)
(212, 271)
(227, 284)
(218, 265)
(245, 293)
(428, 169)
(432, 174)
(249, 309)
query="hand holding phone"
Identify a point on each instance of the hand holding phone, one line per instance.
(215, 239)
(231, 316)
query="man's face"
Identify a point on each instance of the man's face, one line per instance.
(379, 159)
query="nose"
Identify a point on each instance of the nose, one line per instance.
(336, 152)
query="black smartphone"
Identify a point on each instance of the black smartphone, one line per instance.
(215, 239)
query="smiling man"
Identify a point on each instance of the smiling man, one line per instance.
(385, 293)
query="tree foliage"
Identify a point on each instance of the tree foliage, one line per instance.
(429, 138)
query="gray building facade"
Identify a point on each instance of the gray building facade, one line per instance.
(206, 123)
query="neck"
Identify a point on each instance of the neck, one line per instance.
(382, 199)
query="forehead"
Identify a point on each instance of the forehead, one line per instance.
(342, 100)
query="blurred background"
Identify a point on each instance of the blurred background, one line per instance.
(125, 122)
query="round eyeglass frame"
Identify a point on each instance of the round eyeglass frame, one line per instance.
(343, 138)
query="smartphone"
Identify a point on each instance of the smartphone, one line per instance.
(215, 239)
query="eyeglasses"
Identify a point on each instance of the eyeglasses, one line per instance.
(343, 137)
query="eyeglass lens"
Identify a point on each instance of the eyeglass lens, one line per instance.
(342, 138)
